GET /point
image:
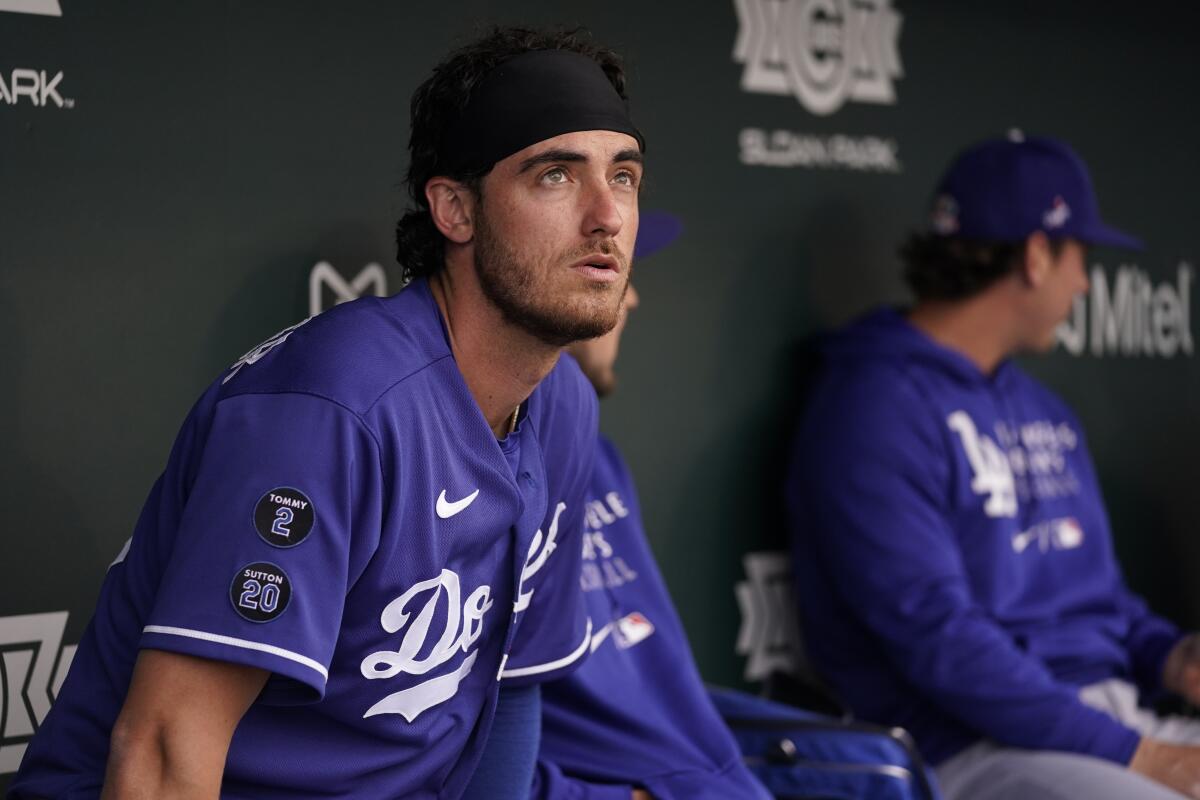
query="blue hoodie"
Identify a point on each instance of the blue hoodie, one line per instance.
(637, 711)
(954, 562)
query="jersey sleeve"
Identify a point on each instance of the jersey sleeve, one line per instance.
(876, 491)
(1149, 642)
(1149, 637)
(287, 486)
(555, 632)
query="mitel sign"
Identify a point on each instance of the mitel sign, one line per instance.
(1131, 315)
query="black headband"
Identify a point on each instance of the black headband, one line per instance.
(530, 98)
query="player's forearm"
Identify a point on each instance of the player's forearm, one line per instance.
(972, 670)
(173, 733)
(155, 762)
(919, 605)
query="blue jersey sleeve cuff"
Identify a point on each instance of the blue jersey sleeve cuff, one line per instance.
(1150, 660)
(1110, 739)
(521, 674)
(307, 676)
(1121, 745)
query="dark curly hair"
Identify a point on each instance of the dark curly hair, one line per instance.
(943, 268)
(438, 103)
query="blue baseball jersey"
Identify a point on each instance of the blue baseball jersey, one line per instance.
(954, 563)
(637, 712)
(336, 510)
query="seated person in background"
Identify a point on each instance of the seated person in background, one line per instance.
(953, 557)
(637, 714)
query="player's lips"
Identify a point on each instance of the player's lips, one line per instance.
(598, 267)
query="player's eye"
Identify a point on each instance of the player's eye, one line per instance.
(555, 175)
(625, 177)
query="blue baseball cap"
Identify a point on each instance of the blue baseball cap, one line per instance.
(656, 230)
(1003, 190)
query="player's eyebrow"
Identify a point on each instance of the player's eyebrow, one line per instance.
(562, 156)
(550, 156)
(628, 155)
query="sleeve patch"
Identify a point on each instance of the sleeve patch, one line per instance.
(284, 517)
(260, 592)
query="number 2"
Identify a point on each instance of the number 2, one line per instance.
(283, 518)
(250, 590)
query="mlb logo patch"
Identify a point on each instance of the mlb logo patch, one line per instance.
(631, 630)
(1068, 534)
(1057, 215)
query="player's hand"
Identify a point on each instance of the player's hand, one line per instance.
(1182, 671)
(642, 794)
(1173, 765)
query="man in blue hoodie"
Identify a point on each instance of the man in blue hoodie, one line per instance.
(636, 721)
(954, 561)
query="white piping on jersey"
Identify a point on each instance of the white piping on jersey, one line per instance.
(600, 636)
(550, 666)
(243, 643)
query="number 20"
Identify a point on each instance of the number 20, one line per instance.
(259, 596)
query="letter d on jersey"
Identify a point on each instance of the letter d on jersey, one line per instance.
(411, 702)
(536, 559)
(992, 473)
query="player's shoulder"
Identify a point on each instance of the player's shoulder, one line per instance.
(351, 354)
(606, 451)
(611, 473)
(854, 394)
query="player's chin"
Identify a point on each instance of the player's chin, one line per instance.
(1046, 342)
(591, 318)
(570, 320)
(605, 383)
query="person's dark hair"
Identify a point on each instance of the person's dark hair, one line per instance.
(942, 268)
(438, 102)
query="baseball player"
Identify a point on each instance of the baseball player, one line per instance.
(635, 720)
(369, 522)
(954, 561)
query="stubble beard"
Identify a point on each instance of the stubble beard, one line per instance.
(516, 289)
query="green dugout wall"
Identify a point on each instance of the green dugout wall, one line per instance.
(173, 176)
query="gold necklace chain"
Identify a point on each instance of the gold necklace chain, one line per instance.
(512, 423)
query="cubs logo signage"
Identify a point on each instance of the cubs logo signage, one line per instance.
(825, 52)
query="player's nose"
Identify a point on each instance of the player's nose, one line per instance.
(602, 214)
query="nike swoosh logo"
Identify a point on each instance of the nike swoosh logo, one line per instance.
(446, 509)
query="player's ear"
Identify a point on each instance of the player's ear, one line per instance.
(1036, 260)
(452, 206)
